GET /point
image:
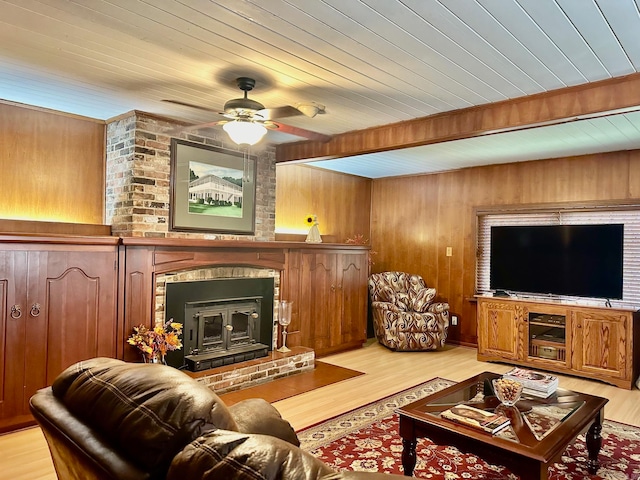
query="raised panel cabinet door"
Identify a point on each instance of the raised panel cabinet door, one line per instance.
(136, 307)
(600, 343)
(80, 291)
(319, 277)
(292, 289)
(353, 270)
(13, 335)
(499, 329)
(36, 344)
(301, 293)
(303, 315)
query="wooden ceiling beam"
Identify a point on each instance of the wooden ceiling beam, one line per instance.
(606, 97)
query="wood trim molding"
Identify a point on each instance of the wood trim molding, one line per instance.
(54, 112)
(607, 97)
(33, 227)
(593, 206)
(155, 116)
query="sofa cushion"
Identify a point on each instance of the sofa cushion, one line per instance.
(150, 412)
(232, 455)
(256, 415)
(386, 294)
(222, 454)
(402, 301)
(421, 299)
(414, 283)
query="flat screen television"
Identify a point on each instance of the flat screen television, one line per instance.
(571, 260)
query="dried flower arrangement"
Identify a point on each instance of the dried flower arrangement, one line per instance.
(358, 239)
(155, 343)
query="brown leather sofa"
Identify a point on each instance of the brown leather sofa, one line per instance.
(107, 419)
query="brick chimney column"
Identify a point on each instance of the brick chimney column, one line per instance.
(138, 177)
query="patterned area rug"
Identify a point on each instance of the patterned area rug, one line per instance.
(366, 439)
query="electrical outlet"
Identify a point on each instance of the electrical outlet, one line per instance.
(449, 251)
(454, 320)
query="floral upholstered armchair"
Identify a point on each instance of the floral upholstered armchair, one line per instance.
(404, 314)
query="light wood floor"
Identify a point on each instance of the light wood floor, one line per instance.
(25, 455)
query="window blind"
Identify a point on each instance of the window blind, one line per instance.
(631, 246)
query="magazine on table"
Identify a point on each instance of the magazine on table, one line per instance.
(474, 417)
(533, 380)
(538, 393)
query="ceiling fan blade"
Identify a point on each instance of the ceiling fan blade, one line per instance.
(188, 128)
(199, 107)
(207, 125)
(301, 132)
(278, 112)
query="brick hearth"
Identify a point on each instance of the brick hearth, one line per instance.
(254, 372)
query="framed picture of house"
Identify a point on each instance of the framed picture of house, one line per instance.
(212, 189)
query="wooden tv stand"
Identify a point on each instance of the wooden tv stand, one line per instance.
(591, 342)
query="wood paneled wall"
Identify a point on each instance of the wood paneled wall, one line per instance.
(414, 219)
(341, 202)
(52, 166)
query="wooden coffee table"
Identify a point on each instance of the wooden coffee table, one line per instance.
(540, 430)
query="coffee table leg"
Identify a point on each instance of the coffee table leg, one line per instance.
(594, 442)
(408, 456)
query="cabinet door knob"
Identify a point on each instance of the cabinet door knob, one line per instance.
(16, 311)
(35, 310)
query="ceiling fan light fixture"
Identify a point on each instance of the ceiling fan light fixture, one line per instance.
(245, 131)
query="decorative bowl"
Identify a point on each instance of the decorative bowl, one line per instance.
(507, 391)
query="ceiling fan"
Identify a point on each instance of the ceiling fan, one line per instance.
(248, 120)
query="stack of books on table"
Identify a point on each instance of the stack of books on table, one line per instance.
(537, 384)
(474, 417)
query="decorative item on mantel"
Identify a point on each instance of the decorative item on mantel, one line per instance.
(154, 344)
(358, 239)
(314, 232)
(284, 319)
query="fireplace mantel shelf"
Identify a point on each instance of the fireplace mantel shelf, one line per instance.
(48, 238)
(232, 244)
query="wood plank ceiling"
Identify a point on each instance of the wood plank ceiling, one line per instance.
(370, 62)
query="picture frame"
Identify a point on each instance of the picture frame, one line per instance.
(212, 189)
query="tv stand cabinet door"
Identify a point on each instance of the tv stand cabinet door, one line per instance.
(500, 330)
(602, 343)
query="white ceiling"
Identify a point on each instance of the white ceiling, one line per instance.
(370, 62)
(616, 132)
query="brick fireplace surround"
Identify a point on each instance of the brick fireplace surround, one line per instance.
(137, 205)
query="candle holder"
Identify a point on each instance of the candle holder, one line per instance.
(284, 319)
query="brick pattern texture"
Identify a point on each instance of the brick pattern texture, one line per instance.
(252, 375)
(138, 178)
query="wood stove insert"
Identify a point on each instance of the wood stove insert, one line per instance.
(226, 321)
